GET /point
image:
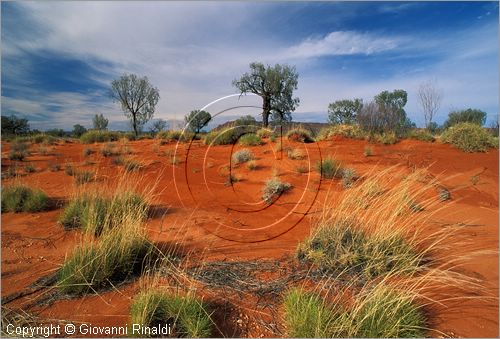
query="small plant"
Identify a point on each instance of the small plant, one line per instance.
(346, 131)
(19, 198)
(54, 167)
(189, 315)
(329, 168)
(272, 138)
(273, 189)
(117, 160)
(421, 134)
(87, 151)
(264, 133)
(250, 140)
(109, 150)
(368, 151)
(296, 154)
(348, 177)
(444, 194)
(29, 168)
(469, 137)
(69, 170)
(43, 150)
(302, 168)
(231, 179)
(386, 138)
(299, 135)
(242, 156)
(18, 151)
(252, 165)
(9, 173)
(131, 165)
(415, 206)
(83, 177)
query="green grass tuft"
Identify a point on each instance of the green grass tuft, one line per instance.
(91, 137)
(250, 140)
(19, 198)
(469, 137)
(329, 168)
(18, 151)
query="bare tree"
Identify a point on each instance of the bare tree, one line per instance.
(430, 100)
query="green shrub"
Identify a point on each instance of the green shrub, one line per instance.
(29, 168)
(189, 315)
(19, 198)
(227, 136)
(329, 168)
(302, 168)
(473, 116)
(386, 138)
(469, 137)
(99, 136)
(264, 133)
(242, 156)
(18, 151)
(177, 135)
(299, 135)
(83, 177)
(421, 134)
(274, 188)
(346, 131)
(250, 140)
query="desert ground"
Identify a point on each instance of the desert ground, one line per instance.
(215, 223)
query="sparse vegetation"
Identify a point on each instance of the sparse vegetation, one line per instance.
(346, 131)
(131, 165)
(242, 156)
(83, 177)
(87, 151)
(69, 170)
(29, 168)
(368, 151)
(421, 134)
(302, 168)
(19, 198)
(274, 188)
(93, 136)
(252, 165)
(110, 150)
(469, 137)
(296, 154)
(54, 167)
(189, 315)
(227, 136)
(299, 134)
(18, 151)
(386, 138)
(329, 168)
(349, 175)
(176, 135)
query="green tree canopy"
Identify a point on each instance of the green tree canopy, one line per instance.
(197, 120)
(14, 125)
(137, 97)
(99, 122)
(344, 111)
(78, 130)
(474, 116)
(275, 85)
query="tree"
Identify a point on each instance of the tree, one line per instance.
(392, 116)
(100, 122)
(158, 126)
(474, 116)
(14, 125)
(78, 130)
(196, 120)
(344, 111)
(246, 120)
(429, 98)
(274, 85)
(138, 98)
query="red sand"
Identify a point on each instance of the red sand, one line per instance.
(194, 207)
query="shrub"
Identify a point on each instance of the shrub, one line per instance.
(177, 135)
(473, 116)
(83, 177)
(189, 315)
(242, 156)
(19, 198)
(264, 133)
(231, 179)
(296, 154)
(273, 189)
(69, 170)
(421, 134)
(117, 160)
(29, 168)
(299, 135)
(386, 138)
(18, 151)
(444, 194)
(302, 168)
(469, 137)
(120, 253)
(329, 168)
(368, 151)
(43, 150)
(99, 136)
(228, 136)
(54, 167)
(87, 151)
(252, 165)
(346, 131)
(250, 140)
(348, 177)
(109, 150)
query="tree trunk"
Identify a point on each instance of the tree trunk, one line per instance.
(266, 110)
(134, 124)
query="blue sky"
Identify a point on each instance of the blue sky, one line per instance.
(58, 58)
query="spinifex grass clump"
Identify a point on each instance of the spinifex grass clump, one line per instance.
(469, 137)
(370, 231)
(94, 213)
(329, 168)
(99, 136)
(274, 188)
(18, 151)
(250, 139)
(19, 198)
(187, 314)
(376, 312)
(242, 156)
(299, 134)
(96, 263)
